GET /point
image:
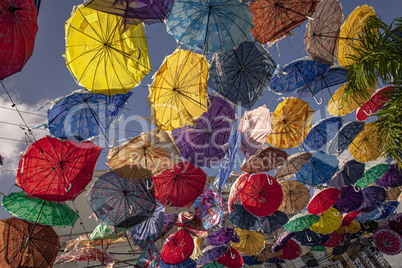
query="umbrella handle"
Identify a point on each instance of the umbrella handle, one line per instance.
(310, 18)
(365, 150)
(261, 200)
(293, 210)
(308, 238)
(354, 188)
(269, 181)
(150, 187)
(318, 102)
(397, 220)
(182, 244)
(336, 214)
(231, 255)
(139, 54)
(369, 113)
(108, 143)
(168, 203)
(67, 189)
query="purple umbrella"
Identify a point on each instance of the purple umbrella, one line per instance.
(210, 254)
(373, 197)
(349, 200)
(202, 143)
(136, 11)
(350, 173)
(222, 237)
(391, 178)
(282, 241)
(395, 222)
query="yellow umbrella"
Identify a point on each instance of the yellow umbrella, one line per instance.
(178, 94)
(350, 31)
(329, 221)
(340, 104)
(295, 196)
(250, 243)
(352, 228)
(366, 146)
(291, 124)
(100, 56)
(144, 156)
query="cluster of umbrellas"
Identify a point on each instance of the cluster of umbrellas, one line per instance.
(192, 103)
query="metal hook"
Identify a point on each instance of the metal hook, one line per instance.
(182, 244)
(358, 189)
(308, 238)
(139, 54)
(293, 210)
(150, 187)
(108, 143)
(336, 214)
(270, 181)
(318, 102)
(368, 114)
(397, 220)
(231, 255)
(310, 18)
(261, 200)
(68, 189)
(168, 203)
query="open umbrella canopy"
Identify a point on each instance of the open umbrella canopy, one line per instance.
(352, 228)
(222, 237)
(168, 223)
(189, 263)
(210, 26)
(350, 173)
(226, 165)
(103, 232)
(250, 242)
(295, 196)
(266, 253)
(149, 257)
(209, 208)
(273, 222)
(242, 74)
(395, 222)
(18, 27)
(309, 238)
(301, 221)
(178, 93)
(391, 178)
(235, 189)
(334, 240)
(388, 241)
(345, 137)
(292, 165)
(211, 254)
(329, 221)
(349, 199)
(188, 220)
(321, 36)
(38, 210)
(102, 57)
(323, 200)
(22, 245)
(57, 170)
(178, 247)
(366, 146)
(373, 197)
(291, 250)
(202, 143)
(376, 101)
(231, 259)
(269, 158)
(371, 175)
(243, 219)
(121, 202)
(180, 185)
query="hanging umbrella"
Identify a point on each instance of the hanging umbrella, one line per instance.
(334, 240)
(222, 237)
(350, 173)
(261, 195)
(209, 208)
(352, 228)
(373, 197)
(273, 19)
(387, 209)
(323, 200)
(395, 222)
(291, 124)
(371, 175)
(291, 251)
(243, 219)
(309, 238)
(295, 196)
(301, 221)
(242, 74)
(191, 223)
(319, 169)
(189, 263)
(254, 128)
(81, 115)
(366, 145)
(388, 241)
(56, 170)
(150, 228)
(144, 156)
(213, 264)
(348, 218)
(273, 222)
(344, 137)
(321, 33)
(19, 27)
(393, 193)
(168, 223)
(177, 248)
(250, 242)
(269, 158)
(102, 57)
(349, 200)
(231, 259)
(102, 232)
(329, 221)
(201, 143)
(369, 226)
(251, 260)
(341, 104)
(391, 178)
(297, 74)
(24, 244)
(318, 248)
(211, 254)
(282, 240)
(180, 185)
(121, 202)
(321, 133)
(369, 216)
(225, 168)
(38, 210)
(292, 165)
(266, 253)
(210, 26)
(376, 102)
(149, 257)
(350, 34)
(235, 189)
(178, 93)
(134, 11)
(341, 248)
(87, 254)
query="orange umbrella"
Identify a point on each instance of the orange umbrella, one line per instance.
(295, 196)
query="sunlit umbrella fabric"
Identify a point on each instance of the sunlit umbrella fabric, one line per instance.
(102, 231)
(376, 101)
(391, 178)
(209, 208)
(321, 133)
(295, 196)
(243, 219)
(226, 165)
(371, 175)
(366, 146)
(269, 158)
(301, 221)
(352, 228)
(323, 200)
(250, 242)
(349, 199)
(242, 74)
(373, 197)
(102, 57)
(222, 237)
(329, 221)
(350, 173)
(388, 241)
(345, 137)
(234, 190)
(177, 248)
(292, 165)
(231, 259)
(178, 93)
(273, 222)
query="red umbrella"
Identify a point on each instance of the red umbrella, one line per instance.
(375, 103)
(231, 259)
(334, 240)
(180, 185)
(388, 241)
(18, 29)
(234, 190)
(348, 218)
(57, 170)
(261, 195)
(191, 223)
(291, 251)
(177, 248)
(322, 201)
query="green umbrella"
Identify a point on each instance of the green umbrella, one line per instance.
(39, 210)
(318, 248)
(102, 231)
(372, 175)
(301, 221)
(213, 264)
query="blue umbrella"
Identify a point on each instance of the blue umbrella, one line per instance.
(80, 116)
(243, 219)
(310, 238)
(189, 263)
(321, 133)
(210, 26)
(251, 260)
(273, 222)
(242, 74)
(368, 216)
(387, 209)
(350, 173)
(150, 228)
(345, 137)
(297, 74)
(373, 198)
(210, 254)
(318, 170)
